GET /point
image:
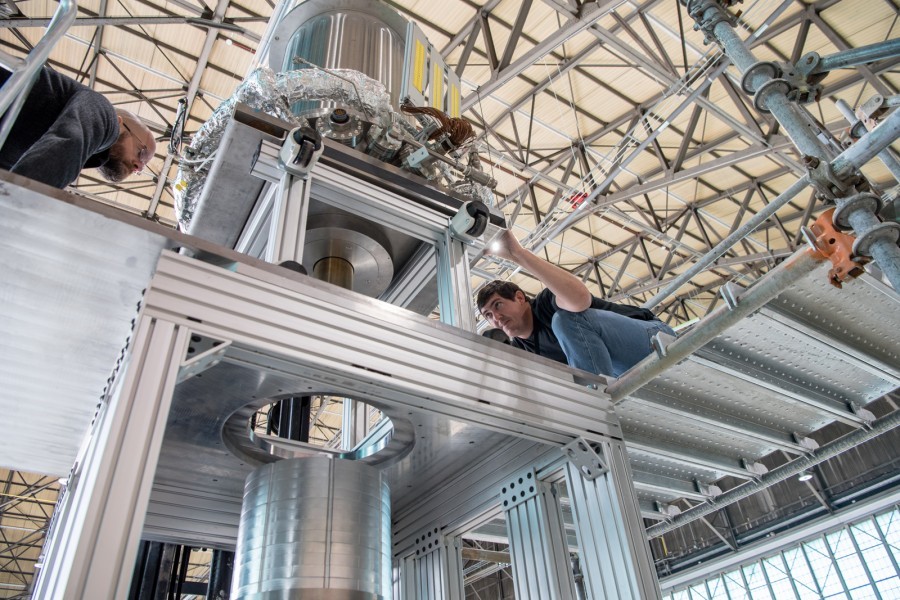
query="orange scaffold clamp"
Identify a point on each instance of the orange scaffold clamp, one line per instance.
(838, 248)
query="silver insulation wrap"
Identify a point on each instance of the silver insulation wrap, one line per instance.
(274, 93)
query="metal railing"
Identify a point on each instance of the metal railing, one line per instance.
(25, 70)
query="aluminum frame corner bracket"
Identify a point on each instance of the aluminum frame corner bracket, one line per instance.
(586, 457)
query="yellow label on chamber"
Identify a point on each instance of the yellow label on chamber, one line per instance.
(454, 100)
(419, 67)
(437, 87)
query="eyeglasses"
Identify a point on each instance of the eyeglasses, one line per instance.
(144, 154)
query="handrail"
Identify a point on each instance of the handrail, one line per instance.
(16, 88)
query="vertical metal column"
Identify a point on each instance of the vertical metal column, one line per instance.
(95, 535)
(434, 572)
(537, 539)
(287, 233)
(354, 423)
(615, 555)
(454, 293)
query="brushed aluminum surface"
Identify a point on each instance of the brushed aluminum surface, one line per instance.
(313, 524)
(72, 281)
(361, 35)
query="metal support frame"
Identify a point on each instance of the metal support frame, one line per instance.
(537, 538)
(774, 94)
(287, 233)
(96, 531)
(454, 293)
(614, 555)
(434, 571)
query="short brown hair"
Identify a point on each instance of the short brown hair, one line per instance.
(505, 289)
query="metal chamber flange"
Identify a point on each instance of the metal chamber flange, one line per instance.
(314, 528)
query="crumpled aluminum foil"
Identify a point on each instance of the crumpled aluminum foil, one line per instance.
(258, 91)
(274, 93)
(343, 86)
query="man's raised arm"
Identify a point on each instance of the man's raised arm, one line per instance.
(571, 294)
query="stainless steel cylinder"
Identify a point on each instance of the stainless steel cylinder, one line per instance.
(362, 35)
(316, 528)
(335, 270)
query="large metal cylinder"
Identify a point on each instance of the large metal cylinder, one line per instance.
(316, 528)
(363, 35)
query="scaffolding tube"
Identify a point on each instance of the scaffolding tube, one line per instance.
(858, 56)
(886, 156)
(791, 469)
(851, 159)
(876, 239)
(765, 289)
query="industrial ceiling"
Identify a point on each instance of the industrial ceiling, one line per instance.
(614, 110)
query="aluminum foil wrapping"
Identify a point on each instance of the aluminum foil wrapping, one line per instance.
(476, 191)
(258, 90)
(343, 86)
(274, 93)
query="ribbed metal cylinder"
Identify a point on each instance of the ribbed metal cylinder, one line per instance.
(315, 528)
(361, 35)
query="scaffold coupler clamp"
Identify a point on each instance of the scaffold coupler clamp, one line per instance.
(824, 180)
(708, 14)
(836, 247)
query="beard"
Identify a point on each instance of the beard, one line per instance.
(116, 168)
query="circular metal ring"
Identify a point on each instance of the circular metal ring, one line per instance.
(774, 86)
(244, 443)
(883, 231)
(862, 201)
(764, 67)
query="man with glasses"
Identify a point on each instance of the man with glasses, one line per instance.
(65, 127)
(565, 322)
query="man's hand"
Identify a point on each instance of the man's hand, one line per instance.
(571, 293)
(505, 246)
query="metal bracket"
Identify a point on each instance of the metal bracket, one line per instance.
(430, 540)
(519, 489)
(708, 14)
(731, 294)
(587, 457)
(661, 341)
(864, 414)
(806, 442)
(823, 179)
(838, 248)
(202, 361)
(756, 469)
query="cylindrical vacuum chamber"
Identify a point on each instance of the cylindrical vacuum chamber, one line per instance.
(315, 528)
